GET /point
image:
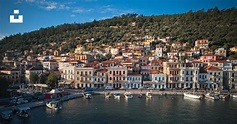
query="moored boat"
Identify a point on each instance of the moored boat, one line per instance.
(191, 95)
(148, 94)
(6, 115)
(23, 112)
(107, 95)
(140, 95)
(212, 96)
(117, 95)
(88, 96)
(233, 95)
(55, 105)
(128, 95)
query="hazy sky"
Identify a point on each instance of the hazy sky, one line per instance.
(44, 13)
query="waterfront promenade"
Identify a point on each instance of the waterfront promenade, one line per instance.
(42, 103)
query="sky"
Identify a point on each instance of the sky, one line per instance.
(45, 13)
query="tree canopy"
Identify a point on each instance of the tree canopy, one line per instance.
(218, 26)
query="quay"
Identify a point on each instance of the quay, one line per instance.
(42, 103)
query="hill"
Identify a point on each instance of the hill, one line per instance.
(218, 26)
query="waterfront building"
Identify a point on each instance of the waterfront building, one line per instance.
(134, 81)
(189, 73)
(84, 77)
(117, 76)
(100, 78)
(172, 70)
(158, 80)
(68, 74)
(215, 77)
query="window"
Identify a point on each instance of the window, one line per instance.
(163, 78)
(191, 79)
(186, 72)
(123, 72)
(110, 72)
(110, 78)
(186, 78)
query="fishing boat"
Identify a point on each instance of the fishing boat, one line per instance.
(212, 96)
(117, 95)
(55, 105)
(128, 95)
(148, 94)
(23, 112)
(6, 115)
(192, 95)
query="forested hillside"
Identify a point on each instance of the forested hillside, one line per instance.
(218, 26)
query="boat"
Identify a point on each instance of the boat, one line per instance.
(140, 95)
(55, 105)
(212, 96)
(117, 95)
(6, 115)
(128, 95)
(23, 112)
(192, 95)
(233, 95)
(107, 95)
(148, 94)
(224, 96)
(88, 96)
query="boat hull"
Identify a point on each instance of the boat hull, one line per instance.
(192, 96)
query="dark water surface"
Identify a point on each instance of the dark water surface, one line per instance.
(159, 109)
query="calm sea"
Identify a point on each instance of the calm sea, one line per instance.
(158, 110)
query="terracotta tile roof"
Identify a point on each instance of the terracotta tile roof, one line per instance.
(145, 70)
(154, 71)
(102, 70)
(134, 74)
(213, 68)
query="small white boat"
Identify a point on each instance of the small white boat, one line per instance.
(148, 94)
(55, 105)
(224, 96)
(212, 96)
(23, 112)
(233, 95)
(128, 95)
(6, 115)
(191, 95)
(88, 96)
(117, 95)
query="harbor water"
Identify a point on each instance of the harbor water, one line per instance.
(170, 109)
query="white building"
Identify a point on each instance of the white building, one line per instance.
(158, 80)
(159, 51)
(134, 81)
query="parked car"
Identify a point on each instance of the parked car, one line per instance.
(109, 88)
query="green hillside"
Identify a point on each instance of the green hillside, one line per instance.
(218, 26)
